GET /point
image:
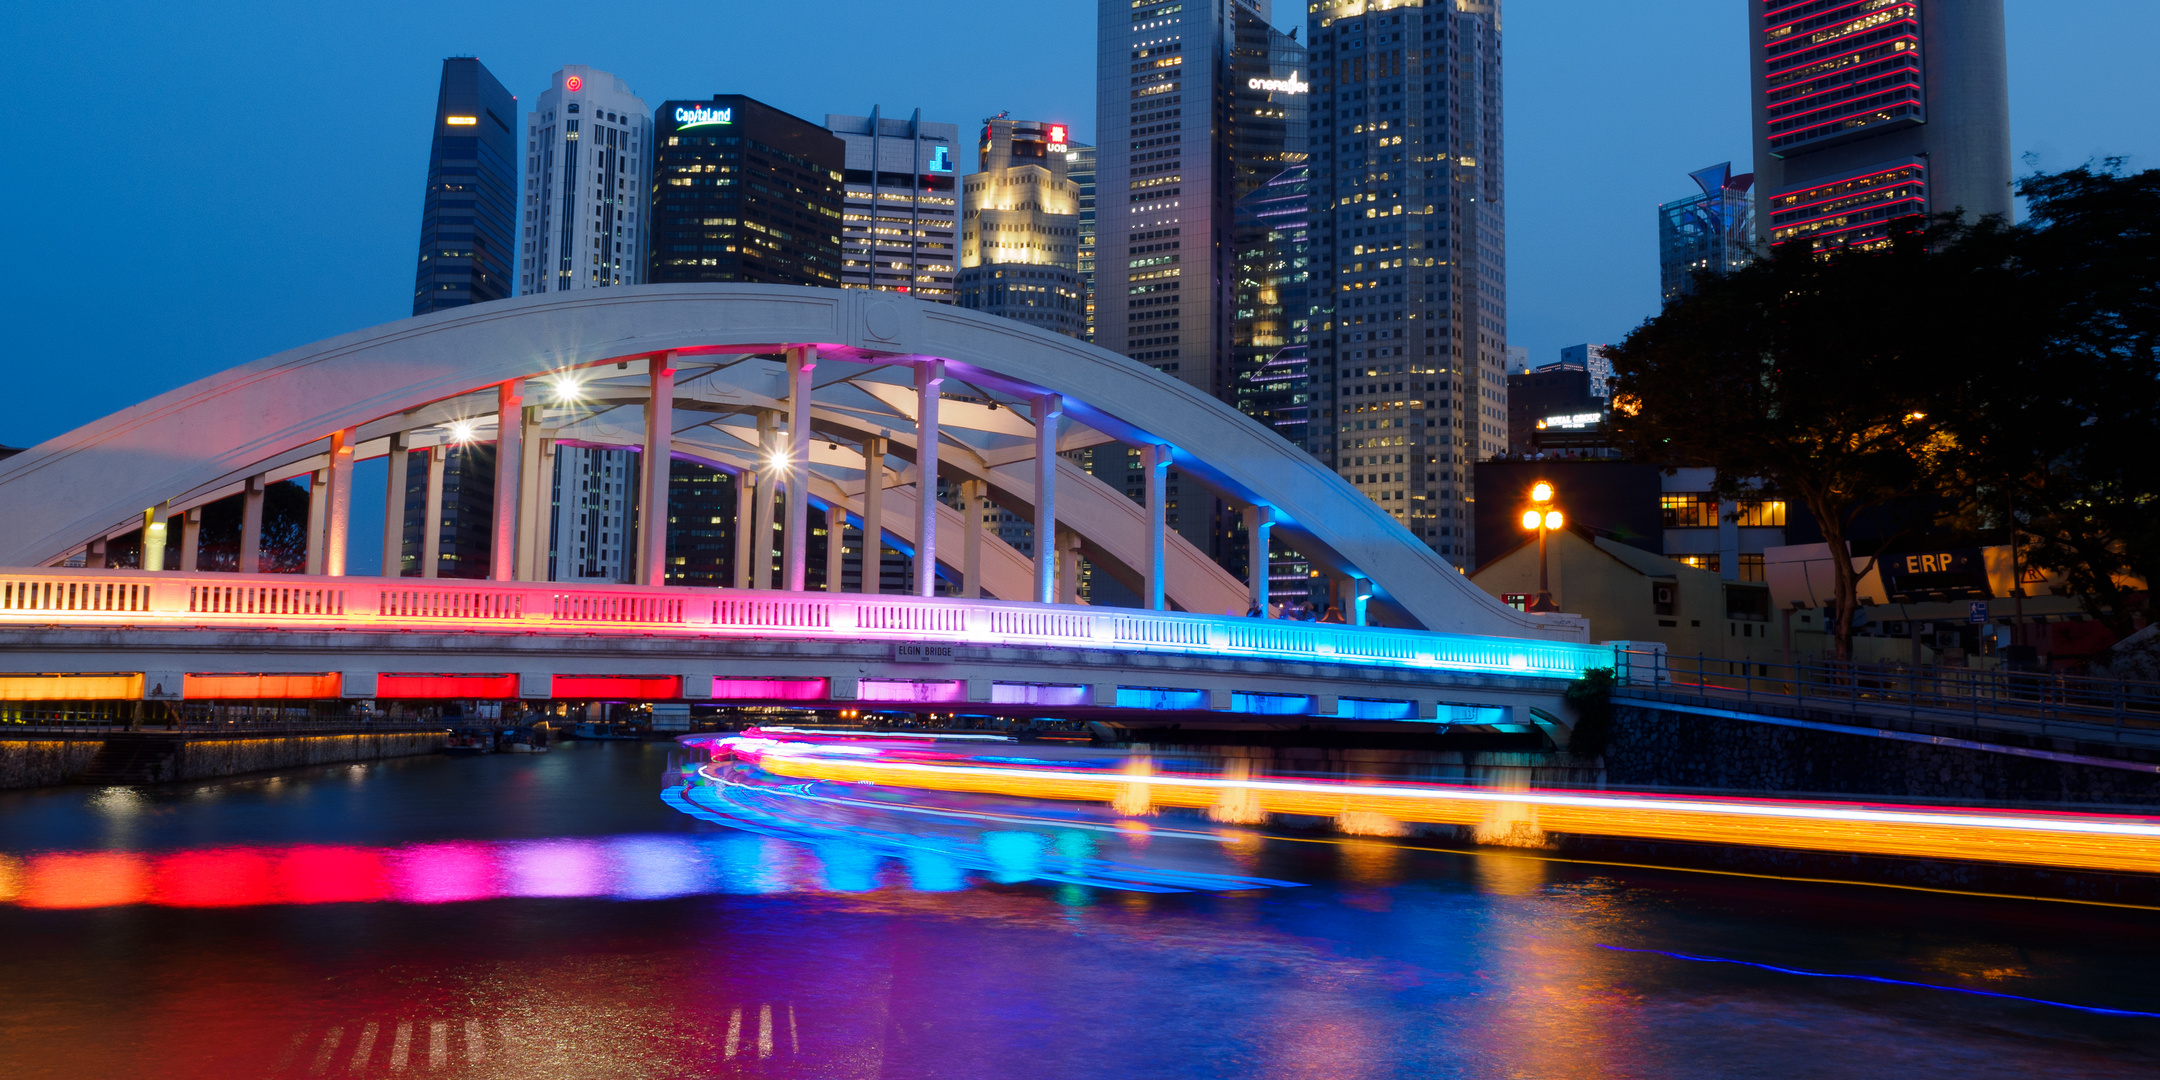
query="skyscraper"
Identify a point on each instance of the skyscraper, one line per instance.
(901, 224)
(744, 192)
(1712, 230)
(1871, 113)
(741, 191)
(587, 146)
(1193, 112)
(588, 155)
(1080, 169)
(468, 225)
(1409, 263)
(1020, 229)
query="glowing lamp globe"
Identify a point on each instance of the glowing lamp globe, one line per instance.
(1552, 519)
(1529, 519)
(1541, 493)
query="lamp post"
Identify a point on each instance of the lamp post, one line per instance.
(1544, 519)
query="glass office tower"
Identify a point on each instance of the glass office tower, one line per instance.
(468, 223)
(745, 192)
(1711, 231)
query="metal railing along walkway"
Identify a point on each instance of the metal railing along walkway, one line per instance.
(2117, 711)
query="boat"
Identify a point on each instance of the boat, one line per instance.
(468, 743)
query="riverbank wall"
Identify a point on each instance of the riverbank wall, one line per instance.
(1653, 747)
(41, 759)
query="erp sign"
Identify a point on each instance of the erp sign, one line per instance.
(1951, 574)
(701, 116)
(941, 159)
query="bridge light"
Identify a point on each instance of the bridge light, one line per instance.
(567, 388)
(462, 432)
(778, 461)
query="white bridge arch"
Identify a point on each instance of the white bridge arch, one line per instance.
(847, 381)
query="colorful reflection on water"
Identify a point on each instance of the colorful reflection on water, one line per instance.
(549, 916)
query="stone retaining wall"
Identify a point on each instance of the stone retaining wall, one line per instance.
(38, 762)
(41, 760)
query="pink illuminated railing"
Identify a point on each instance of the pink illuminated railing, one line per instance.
(290, 601)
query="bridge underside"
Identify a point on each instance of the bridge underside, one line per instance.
(1108, 684)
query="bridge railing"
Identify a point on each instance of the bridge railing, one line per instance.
(2036, 699)
(71, 597)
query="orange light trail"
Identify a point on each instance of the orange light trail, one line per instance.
(2070, 841)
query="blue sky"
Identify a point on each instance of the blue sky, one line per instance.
(193, 186)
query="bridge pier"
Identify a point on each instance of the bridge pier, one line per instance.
(1047, 409)
(929, 383)
(337, 505)
(393, 535)
(659, 461)
(873, 530)
(509, 456)
(802, 365)
(1157, 461)
(438, 464)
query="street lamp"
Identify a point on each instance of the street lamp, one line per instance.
(1544, 519)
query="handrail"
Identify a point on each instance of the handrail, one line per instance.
(94, 598)
(1932, 692)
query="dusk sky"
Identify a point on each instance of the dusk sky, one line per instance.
(200, 185)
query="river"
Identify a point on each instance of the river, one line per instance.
(1350, 957)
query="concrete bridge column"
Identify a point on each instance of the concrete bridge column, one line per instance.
(929, 383)
(438, 464)
(1068, 561)
(536, 481)
(94, 556)
(393, 530)
(835, 547)
(251, 511)
(337, 503)
(873, 532)
(1157, 460)
(509, 456)
(747, 491)
(1048, 408)
(659, 461)
(972, 505)
(802, 364)
(154, 523)
(318, 514)
(1259, 523)
(761, 518)
(190, 539)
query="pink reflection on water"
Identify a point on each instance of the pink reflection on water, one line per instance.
(442, 873)
(553, 868)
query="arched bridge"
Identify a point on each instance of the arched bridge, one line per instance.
(851, 406)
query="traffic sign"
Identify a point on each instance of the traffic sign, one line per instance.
(1979, 612)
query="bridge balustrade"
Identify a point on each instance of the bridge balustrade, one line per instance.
(76, 597)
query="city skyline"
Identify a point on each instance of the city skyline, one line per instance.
(1575, 275)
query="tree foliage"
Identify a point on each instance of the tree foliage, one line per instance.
(1798, 377)
(2062, 396)
(2007, 371)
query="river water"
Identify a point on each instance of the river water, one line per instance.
(492, 941)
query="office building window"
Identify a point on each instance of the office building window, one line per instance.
(1688, 509)
(1699, 562)
(1763, 514)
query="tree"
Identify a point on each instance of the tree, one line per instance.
(1807, 377)
(2062, 400)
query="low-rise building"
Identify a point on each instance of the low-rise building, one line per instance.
(1629, 594)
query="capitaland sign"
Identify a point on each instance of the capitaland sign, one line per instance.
(701, 116)
(1291, 85)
